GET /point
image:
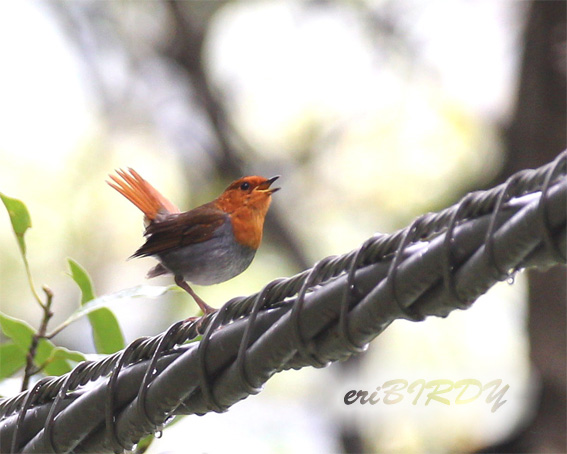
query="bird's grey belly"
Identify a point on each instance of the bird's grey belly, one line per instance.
(210, 262)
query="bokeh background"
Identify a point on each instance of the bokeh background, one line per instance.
(373, 112)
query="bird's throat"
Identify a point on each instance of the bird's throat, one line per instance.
(247, 226)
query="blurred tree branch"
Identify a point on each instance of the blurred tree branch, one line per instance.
(536, 135)
(186, 49)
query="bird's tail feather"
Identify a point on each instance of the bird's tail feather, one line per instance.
(141, 193)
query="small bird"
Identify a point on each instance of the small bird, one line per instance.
(206, 245)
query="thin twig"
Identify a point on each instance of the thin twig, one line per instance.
(31, 284)
(31, 369)
(57, 330)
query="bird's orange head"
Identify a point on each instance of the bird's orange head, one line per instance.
(251, 193)
(247, 200)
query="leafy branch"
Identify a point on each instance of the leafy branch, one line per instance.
(32, 349)
(21, 222)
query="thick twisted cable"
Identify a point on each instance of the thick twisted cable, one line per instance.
(503, 197)
(56, 405)
(114, 439)
(350, 295)
(409, 234)
(545, 227)
(448, 265)
(204, 380)
(246, 337)
(151, 372)
(302, 347)
(25, 407)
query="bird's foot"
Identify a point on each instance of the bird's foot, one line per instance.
(202, 305)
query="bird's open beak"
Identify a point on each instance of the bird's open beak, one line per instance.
(265, 186)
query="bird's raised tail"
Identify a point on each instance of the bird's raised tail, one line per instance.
(141, 193)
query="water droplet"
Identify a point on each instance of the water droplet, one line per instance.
(168, 420)
(158, 434)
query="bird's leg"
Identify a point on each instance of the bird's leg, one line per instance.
(202, 305)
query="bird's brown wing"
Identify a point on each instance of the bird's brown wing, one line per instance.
(183, 229)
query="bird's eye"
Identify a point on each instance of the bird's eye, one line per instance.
(245, 186)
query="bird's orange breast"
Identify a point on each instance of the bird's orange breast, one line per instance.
(247, 226)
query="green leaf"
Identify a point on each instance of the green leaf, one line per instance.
(64, 353)
(60, 359)
(20, 218)
(12, 359)
(107, 335)
(144, 444)
(147, 291)
(21, 333)
(83, 280)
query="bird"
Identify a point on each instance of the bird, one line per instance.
(207, 245)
